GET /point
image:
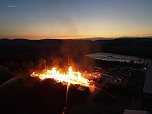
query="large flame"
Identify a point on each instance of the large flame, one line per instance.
(69, 77)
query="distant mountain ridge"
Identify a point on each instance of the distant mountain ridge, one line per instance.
(92, 39)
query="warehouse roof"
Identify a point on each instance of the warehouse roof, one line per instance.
(135, 112)
(148, 79)
(118, 58)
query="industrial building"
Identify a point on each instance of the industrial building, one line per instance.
(119, 58)
(147, 89)
(129, 72)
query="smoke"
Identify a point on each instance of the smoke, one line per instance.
(74, 53)
(65, 23)
(65, 26)
(70, 26)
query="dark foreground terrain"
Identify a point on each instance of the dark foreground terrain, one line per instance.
(21, 94)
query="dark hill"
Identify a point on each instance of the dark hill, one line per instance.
(33, 50)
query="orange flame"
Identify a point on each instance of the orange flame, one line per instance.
(70, 77)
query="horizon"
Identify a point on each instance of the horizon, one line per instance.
(75, 19)
(91, 38)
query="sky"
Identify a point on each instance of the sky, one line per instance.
(39, 19)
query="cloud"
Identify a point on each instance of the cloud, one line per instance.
(11, 6)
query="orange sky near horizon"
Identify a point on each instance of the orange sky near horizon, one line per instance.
(69, 19)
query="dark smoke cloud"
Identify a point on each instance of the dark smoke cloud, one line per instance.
(64, 19)
(70, 25)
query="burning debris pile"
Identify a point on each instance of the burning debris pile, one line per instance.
(70, 77)
(66, 78)
(47, 95)
(47, 90)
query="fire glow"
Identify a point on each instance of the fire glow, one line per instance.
(69, 77)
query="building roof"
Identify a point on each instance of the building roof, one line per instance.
(118, 58)
(148, 79)
(135, 112)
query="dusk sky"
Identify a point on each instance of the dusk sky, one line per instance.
(38, 19)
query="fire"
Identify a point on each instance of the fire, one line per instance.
(69, 77)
